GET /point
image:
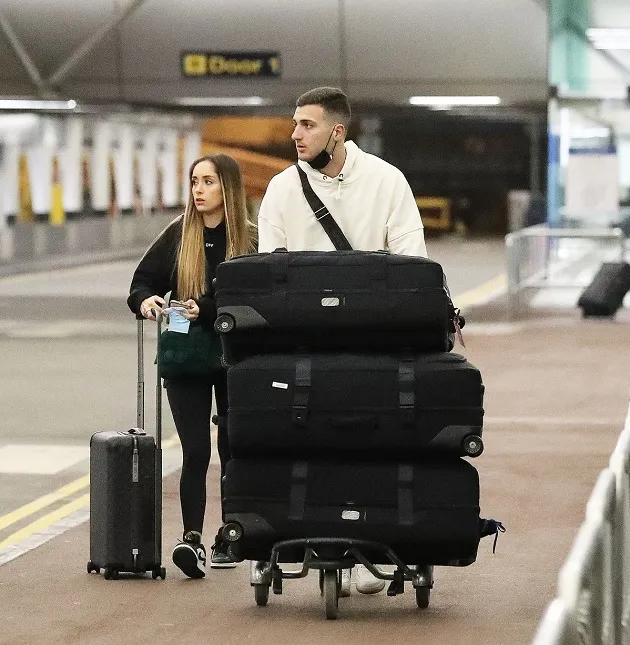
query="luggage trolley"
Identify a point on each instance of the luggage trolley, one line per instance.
(330, 556)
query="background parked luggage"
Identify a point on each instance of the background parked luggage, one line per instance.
(605, 294)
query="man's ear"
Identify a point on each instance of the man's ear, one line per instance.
(340, 132)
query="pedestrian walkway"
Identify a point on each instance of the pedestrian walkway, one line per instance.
(556, 399)
(550, 428)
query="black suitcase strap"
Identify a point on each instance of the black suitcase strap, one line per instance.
(299, 410)
(297, 494)
(406, 391)
(405, 494)
(322, 214)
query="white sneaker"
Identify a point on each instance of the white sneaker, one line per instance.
(367, 582)
(344, 589)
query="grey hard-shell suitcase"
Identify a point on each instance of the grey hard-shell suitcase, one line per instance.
(126, 492)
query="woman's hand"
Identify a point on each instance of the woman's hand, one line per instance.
(192, 310)
(151, 306)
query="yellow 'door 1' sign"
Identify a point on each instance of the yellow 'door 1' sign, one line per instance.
(197, 64)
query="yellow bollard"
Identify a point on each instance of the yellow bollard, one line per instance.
(25, 213)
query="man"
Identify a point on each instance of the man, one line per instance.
(369, 199)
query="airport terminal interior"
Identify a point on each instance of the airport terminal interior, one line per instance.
(509, 121)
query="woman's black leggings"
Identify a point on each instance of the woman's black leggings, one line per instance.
(191, 404)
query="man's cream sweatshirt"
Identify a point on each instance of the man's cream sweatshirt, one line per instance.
(370, 200)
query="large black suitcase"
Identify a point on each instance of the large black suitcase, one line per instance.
(332, 300)
(126, 493)
(426, 511)
(605, 294)
(358, 404)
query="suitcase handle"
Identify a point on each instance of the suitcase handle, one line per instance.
(354, 421)
(140, 384)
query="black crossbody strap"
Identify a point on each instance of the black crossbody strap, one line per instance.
(323, 215)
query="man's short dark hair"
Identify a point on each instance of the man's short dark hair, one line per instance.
(332, 99)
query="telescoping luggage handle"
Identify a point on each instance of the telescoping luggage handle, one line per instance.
(140, 385)
(157, 555)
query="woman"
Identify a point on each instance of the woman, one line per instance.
(183, 259)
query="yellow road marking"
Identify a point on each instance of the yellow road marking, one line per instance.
(46, 520)
(61, 493)
(473, 296)
(43, 502)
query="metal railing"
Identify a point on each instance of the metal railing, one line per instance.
(541, 257)
(592, 606)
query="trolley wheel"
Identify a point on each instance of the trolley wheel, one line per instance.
(92, 568)
(160, 572)
(224, 323)
(331, 593)
(473, 445)
(110, 573)
(422, 597)
(261, 594)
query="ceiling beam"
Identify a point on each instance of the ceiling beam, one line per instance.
(22, 54)
(92, 41)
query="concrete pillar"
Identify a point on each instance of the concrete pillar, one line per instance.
(99, 170)
(70, 166)
(168, 167)
(192, 151)
(568, 48)
(9, 177)
(40, 168)
(124, 166)
(148, 169)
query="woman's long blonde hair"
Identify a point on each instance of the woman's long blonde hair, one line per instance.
(240, 230)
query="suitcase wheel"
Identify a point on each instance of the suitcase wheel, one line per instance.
(160, 572)
(472, 445)
(261, 594)
(232, 532)
(224, 324)
(109, 573)
(422, 597)
(92, 568)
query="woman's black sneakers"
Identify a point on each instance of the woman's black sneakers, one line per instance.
(190, 555)
(221, 557)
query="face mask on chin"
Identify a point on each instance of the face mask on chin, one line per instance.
(323, 158)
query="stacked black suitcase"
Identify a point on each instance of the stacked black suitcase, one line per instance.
(348, 413)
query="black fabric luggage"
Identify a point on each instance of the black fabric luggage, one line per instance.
(332, 300)
(126, 493)
(357, 404)
(604, 296)
(426, 511)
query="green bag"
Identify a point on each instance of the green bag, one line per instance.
(197, 353)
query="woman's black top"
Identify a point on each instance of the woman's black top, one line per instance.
(157, 272)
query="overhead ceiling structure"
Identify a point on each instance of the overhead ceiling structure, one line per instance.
(261, 55)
